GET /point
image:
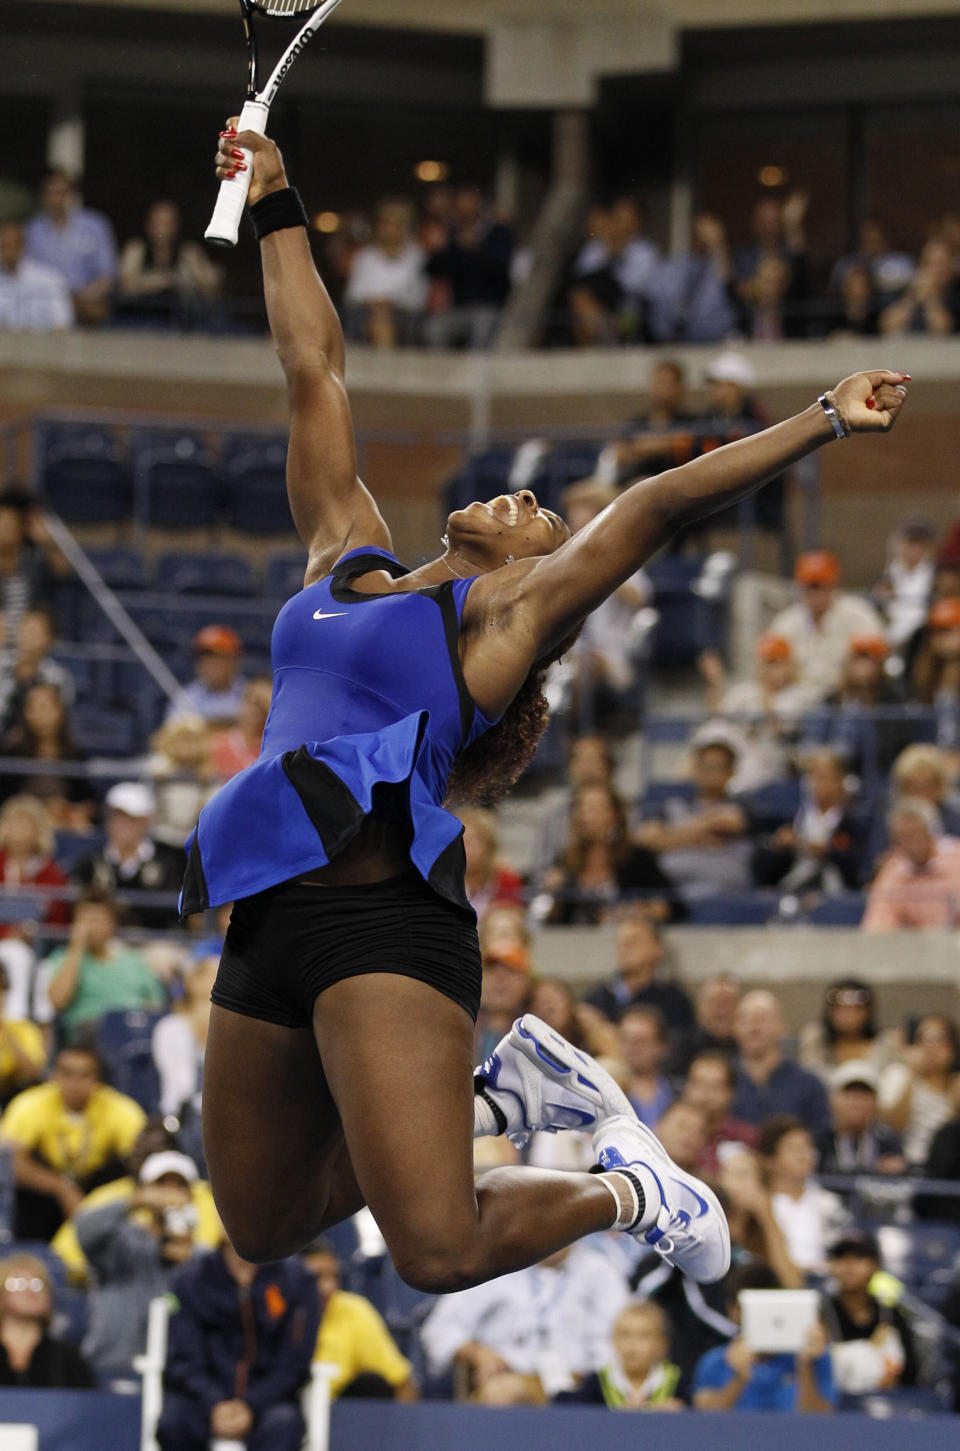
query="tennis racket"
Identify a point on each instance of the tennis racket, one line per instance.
(225, 222)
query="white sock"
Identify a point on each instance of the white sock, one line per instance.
(484, 1118)
(631, 1218)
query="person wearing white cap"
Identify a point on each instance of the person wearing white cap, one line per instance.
(130, 859)
(133, 1246)
(856, 1142)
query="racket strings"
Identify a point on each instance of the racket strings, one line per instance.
(285, 9)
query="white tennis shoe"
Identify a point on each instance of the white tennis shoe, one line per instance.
(540, 1083)
(689, 1228)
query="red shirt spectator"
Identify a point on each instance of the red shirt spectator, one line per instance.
(26, 857)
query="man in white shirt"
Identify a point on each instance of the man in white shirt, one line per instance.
(823, 622)
(33, 297)
(550, 1322)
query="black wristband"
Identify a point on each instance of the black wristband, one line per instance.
(276, 211)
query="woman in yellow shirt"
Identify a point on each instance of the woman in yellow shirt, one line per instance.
(353, 1335)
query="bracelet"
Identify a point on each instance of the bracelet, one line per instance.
(828, 402)
(276, 211)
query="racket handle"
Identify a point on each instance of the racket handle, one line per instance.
(231, 199)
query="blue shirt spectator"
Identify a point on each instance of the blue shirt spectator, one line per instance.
(77, 242)
(769, 1084)
(772, 1385)
(688, 295)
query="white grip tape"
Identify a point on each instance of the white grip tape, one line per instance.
(225, 223)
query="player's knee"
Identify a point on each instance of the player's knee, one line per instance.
(435, 1266)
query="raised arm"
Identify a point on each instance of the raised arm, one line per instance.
(331, 508)
(560, 589)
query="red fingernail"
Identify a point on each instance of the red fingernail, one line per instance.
(229, 175)
(241, 166)
(229, 132)
(237, 153)
(871, 403)
(907, 378)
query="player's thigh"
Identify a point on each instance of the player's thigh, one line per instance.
(398, 1056)
(272, 1135)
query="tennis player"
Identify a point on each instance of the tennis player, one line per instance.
(339, 1060)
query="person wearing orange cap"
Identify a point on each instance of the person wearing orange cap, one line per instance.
(820, 626)
(863, 720)
(769, 709)
(216, 691)
(504, 995)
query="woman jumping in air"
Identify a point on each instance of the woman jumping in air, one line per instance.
(339, 1067)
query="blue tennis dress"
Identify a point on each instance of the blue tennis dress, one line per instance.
(367, 692)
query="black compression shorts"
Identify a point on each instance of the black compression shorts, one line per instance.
(285, 945)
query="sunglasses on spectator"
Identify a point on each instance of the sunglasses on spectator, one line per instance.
(848, 997)
(17, 1282)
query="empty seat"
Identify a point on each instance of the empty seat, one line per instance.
(176, 479)
(219, 574)
(733, 909)
(283, 576)
(119, 568)
(105, 730)
(658, 793)
(256, 502)
(125, 1040)
(845, 911)
(774, 804)
(81, 471)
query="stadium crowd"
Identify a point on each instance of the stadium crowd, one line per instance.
(436, 272)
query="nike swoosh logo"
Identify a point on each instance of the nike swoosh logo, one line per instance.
(331, 615)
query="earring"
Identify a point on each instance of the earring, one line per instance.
(445, 540)
(510, 559)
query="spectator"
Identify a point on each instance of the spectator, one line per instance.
(688, 293)
(26, 859)
(33, 665)
(643, 1050)
(703, 842)
(582, 1025)
(602, 663)
(133, 1246)
(30, 1357)
(778, 234)
(638, 1377)
(930, 303)
(856, 1143)
(611, 276)
(43, 733)
(639, 955)
(600, 865)
(550, 1323)
(891, 271)
(943, 1162)
(216, 691)
(822, 624)
(23, 1055)
(165, 280)
(96, 972)
(862, 720)
(918, 885)
(873, 1347)
(806, 1213)
(657, 438)
(927, 773)
(715, 1010)
(767, 1082)
(67, 1135)
(353, 1336)
(131, 859)
(683, 1132)
(387, 289)
(769, 708)
(26, 993)
(709, 1087)
(846, 1031)
(33, 297)
(734, 1377)
(241, 1341)
(921, 1093)
(181, 773)
(504, 993)
(904, 591)
(77, 242)
(179, 1042)
(755, 1233)
(770, 311)
(822, 850)
(505, 926)
(153, 1138)
(487, 879)
(857, 310)
(475, 264)
(236, 747)
(590, 762)
(935, 675)
(30, 562)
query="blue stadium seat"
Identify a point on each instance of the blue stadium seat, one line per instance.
(254, 484)
(482, 476)
(283, 576)
(688, 624)
(70, 847)
(658, 793)
(241, 450)
(566, 463)
(125, 1040)
(82, 474)
(218, 574)
(120, 568)
(845, 911)
(775, 804)
(915, 1252)
(105, 731)
(733, 909)
(176, 479)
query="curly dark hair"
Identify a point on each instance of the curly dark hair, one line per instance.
(484, 773)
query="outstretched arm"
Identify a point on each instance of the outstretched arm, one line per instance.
(562, 588)
(331, 508)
